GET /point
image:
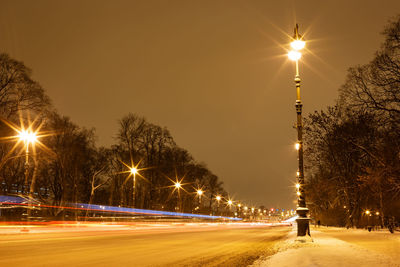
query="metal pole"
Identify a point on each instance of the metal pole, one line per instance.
(199, 202)
(26, 165)
(303, 227)
(134, 191)
(28, 212)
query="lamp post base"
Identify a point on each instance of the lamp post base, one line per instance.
(304, 239)
(303, 222)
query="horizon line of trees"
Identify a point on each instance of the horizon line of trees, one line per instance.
(66, 166)
(352, 149)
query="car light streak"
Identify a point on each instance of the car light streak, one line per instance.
(19, 201)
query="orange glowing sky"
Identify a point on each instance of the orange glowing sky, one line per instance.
(214, 73)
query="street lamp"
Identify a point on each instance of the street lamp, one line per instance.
(28, 137)
(229, 203)
(218, 198)
(134, 171)
(303, 227)
(178, 186)
(199, 193)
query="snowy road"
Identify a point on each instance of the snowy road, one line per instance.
(191, 245)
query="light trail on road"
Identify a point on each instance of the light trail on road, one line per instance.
(19, 201)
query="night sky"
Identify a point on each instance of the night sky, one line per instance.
(215, 73)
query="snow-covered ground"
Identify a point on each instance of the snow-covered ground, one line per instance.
(338, 247)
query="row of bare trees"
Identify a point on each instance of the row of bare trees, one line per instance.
(353, 148)
(66, 166)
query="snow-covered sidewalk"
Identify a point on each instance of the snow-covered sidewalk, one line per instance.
(328, 251)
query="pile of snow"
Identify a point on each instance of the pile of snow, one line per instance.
(324, 251)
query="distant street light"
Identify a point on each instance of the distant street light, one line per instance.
(303, 227)
(177, 186)
(28, 137)
(134, 171)
(229, 203)
(199, 193)
(368, 213)
(218, 199)
(297, 146)
(239, 206)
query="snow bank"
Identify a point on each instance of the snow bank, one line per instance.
(325, 251)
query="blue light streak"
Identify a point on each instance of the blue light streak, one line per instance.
(102, 208)
(149, 212)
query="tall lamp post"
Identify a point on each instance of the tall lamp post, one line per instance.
(199, 193)
(218, 198)
(28, 137)
(178, 186)
(134, 171)
(303, 227)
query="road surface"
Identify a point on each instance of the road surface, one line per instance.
(141, 245)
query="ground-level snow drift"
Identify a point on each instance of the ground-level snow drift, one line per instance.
(326, 251)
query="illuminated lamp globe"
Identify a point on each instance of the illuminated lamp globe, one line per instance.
(298, 44)
(294, 55)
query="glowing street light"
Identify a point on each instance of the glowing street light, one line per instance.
(28, 134)
(177, 185)
(199, 192)
(218, 199)
(239, 205)
(298, 44)
(133, 170)
(28, 137)
(294, 55)
(297, 146)
(303, 227)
